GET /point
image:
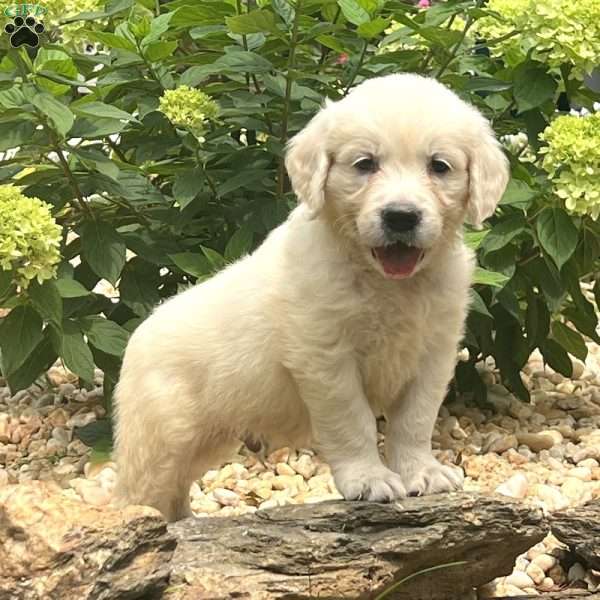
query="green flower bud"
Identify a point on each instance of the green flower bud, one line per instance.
(572, 160)
(29, 237)
(557, 32)
(188, 108)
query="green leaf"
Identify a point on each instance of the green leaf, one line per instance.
(240, 180)
(160, 50)
(239, 244)
(557, 234)
(96, 432)
(478, 305)
(6, 282)
(504, 232)
(473, 239)
(105, 335)
(50, 63)
(586, 324)
(373, 28)
(284, 10)
(255, 21)
(537, 319)
(201, 13)
(486, 84)
(20, 333)
(159, 25)
(75, 352)
(103, 249)
(532, 86)
(101, 111)
(70, 288)
(331, 42)
(214, 258)
(38, 362)
(139, 286)
(193, 264)
(354, 12)
(440, 37)
(240, 61)
(570, 340)
(98, 161)
(46, 300)
(95, 128)
(186, 186)
(485, 277)
(556, 356)
(61, 116)
(518, 194)
(110, 40)
(13, 135)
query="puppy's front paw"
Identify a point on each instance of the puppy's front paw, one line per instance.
(375, 483)
(431, 477)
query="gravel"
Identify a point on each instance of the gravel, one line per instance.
(547, 454)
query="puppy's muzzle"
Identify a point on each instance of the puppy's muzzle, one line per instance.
(398, 220)
(400, 223)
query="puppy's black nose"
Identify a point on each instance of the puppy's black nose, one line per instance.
(400, 220)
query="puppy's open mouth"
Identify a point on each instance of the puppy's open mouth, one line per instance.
(398, 260)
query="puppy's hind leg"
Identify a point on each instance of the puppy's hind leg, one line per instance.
(159, 452)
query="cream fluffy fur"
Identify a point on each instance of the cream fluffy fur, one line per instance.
(305, 340)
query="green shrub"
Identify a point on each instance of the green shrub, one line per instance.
(161, 158)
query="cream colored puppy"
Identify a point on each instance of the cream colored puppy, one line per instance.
(353, 307)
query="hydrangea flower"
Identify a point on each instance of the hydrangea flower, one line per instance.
(572, 160)
(557, 31)
(29, 237)
(189, 108)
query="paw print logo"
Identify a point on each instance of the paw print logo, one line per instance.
(24, 32)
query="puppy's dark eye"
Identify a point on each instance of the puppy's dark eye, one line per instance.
(366, 165)
(439, 166)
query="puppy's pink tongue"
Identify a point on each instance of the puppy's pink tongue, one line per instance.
(398, 260)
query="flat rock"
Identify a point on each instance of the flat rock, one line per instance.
(54, 546)
(579, 528)
(353, 549)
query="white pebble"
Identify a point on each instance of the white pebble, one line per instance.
(547, 585)
(583, 473)
(81, 420)
(551, 497)
(284, 469)
(519, 579)
(514, 487)
(536, 573)
(226, 497)
(544, 561)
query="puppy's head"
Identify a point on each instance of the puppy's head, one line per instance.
(396, 167)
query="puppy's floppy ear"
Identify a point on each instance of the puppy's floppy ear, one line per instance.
(307, 162)
(488, 177)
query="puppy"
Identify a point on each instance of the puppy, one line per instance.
(352, 308)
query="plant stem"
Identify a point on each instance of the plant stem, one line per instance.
(287, 99)
(429, 54)
(361, 59)
(396, 585)
(468, 24)
(211, 183)
(117, 150)
(72, 181)
(325, 51)
(238, 4)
